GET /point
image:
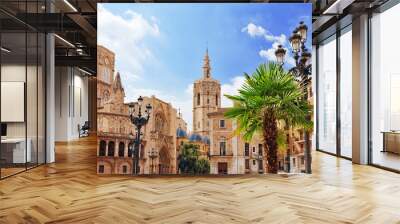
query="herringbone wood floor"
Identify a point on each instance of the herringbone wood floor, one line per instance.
(69, 191)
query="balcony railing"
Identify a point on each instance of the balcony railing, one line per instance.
(227, 154)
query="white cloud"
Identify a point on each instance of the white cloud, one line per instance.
(281, 39)
(259, 31)
(125, 37)
(189, 89)
(269, 54)
(231, 88)
(254, 30)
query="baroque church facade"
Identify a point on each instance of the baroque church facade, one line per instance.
(115, 134)
(114, 131)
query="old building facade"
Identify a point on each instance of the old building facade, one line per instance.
(230, 153)
(166, 131)
(159, 136)
(215, 134)
(226, 156)
(114, 132)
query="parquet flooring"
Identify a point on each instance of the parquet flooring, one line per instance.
(69, 191)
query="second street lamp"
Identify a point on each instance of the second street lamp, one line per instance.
(295, 41)
(138, 120)
(302, 73)
(153, 154)
(280, 55)
(302, 30)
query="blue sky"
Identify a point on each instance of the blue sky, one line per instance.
(160, 47)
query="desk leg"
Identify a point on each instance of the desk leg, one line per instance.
(384, 142)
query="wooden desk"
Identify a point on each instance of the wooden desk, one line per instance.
(391, 141)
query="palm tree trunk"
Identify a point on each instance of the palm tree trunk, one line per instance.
(270, 132)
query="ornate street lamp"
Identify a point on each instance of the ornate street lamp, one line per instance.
(139, 120)
(302, 73)
(152, 155)
(280, 55)
(302, 30)
(295, 41)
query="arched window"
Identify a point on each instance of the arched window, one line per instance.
(111, 148)
(130, 149)
(121, 149)
(106, 95)
(198, 98)
(216, 99)
(102, 148)
(161, 124)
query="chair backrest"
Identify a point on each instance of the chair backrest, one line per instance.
(86, 125)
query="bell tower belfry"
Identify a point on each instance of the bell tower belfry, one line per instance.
(206, 66)
(206, 98)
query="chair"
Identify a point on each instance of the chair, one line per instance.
(84, 130)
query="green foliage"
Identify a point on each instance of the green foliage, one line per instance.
(268, 96)
(272, 89)
(202, 166)
(189, 162)
(281, 140)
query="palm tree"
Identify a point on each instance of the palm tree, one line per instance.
(269, 95)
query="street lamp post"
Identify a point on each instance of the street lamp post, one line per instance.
(280, 55)
(139, 120)
(302, 73)
(152, 155)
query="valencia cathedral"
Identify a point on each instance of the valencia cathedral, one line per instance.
(166, 131)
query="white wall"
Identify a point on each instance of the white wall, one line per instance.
(12, 73)
(71, 102)
(314, 90)
(33, 126)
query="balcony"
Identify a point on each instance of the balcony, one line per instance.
(222, 155)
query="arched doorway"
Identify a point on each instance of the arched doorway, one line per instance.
(121, 149)
(111, 148)
(102, 148)
(164, 165)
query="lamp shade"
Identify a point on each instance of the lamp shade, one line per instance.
(280, 55)
(295, 41)
(148, 108)
(140, 101)
(131, 108)
(302, 30)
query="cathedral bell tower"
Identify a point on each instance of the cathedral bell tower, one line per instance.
(206, 99)
(206, 66)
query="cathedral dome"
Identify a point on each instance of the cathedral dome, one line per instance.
(195, 138)
(206, 140)
(180, 133)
